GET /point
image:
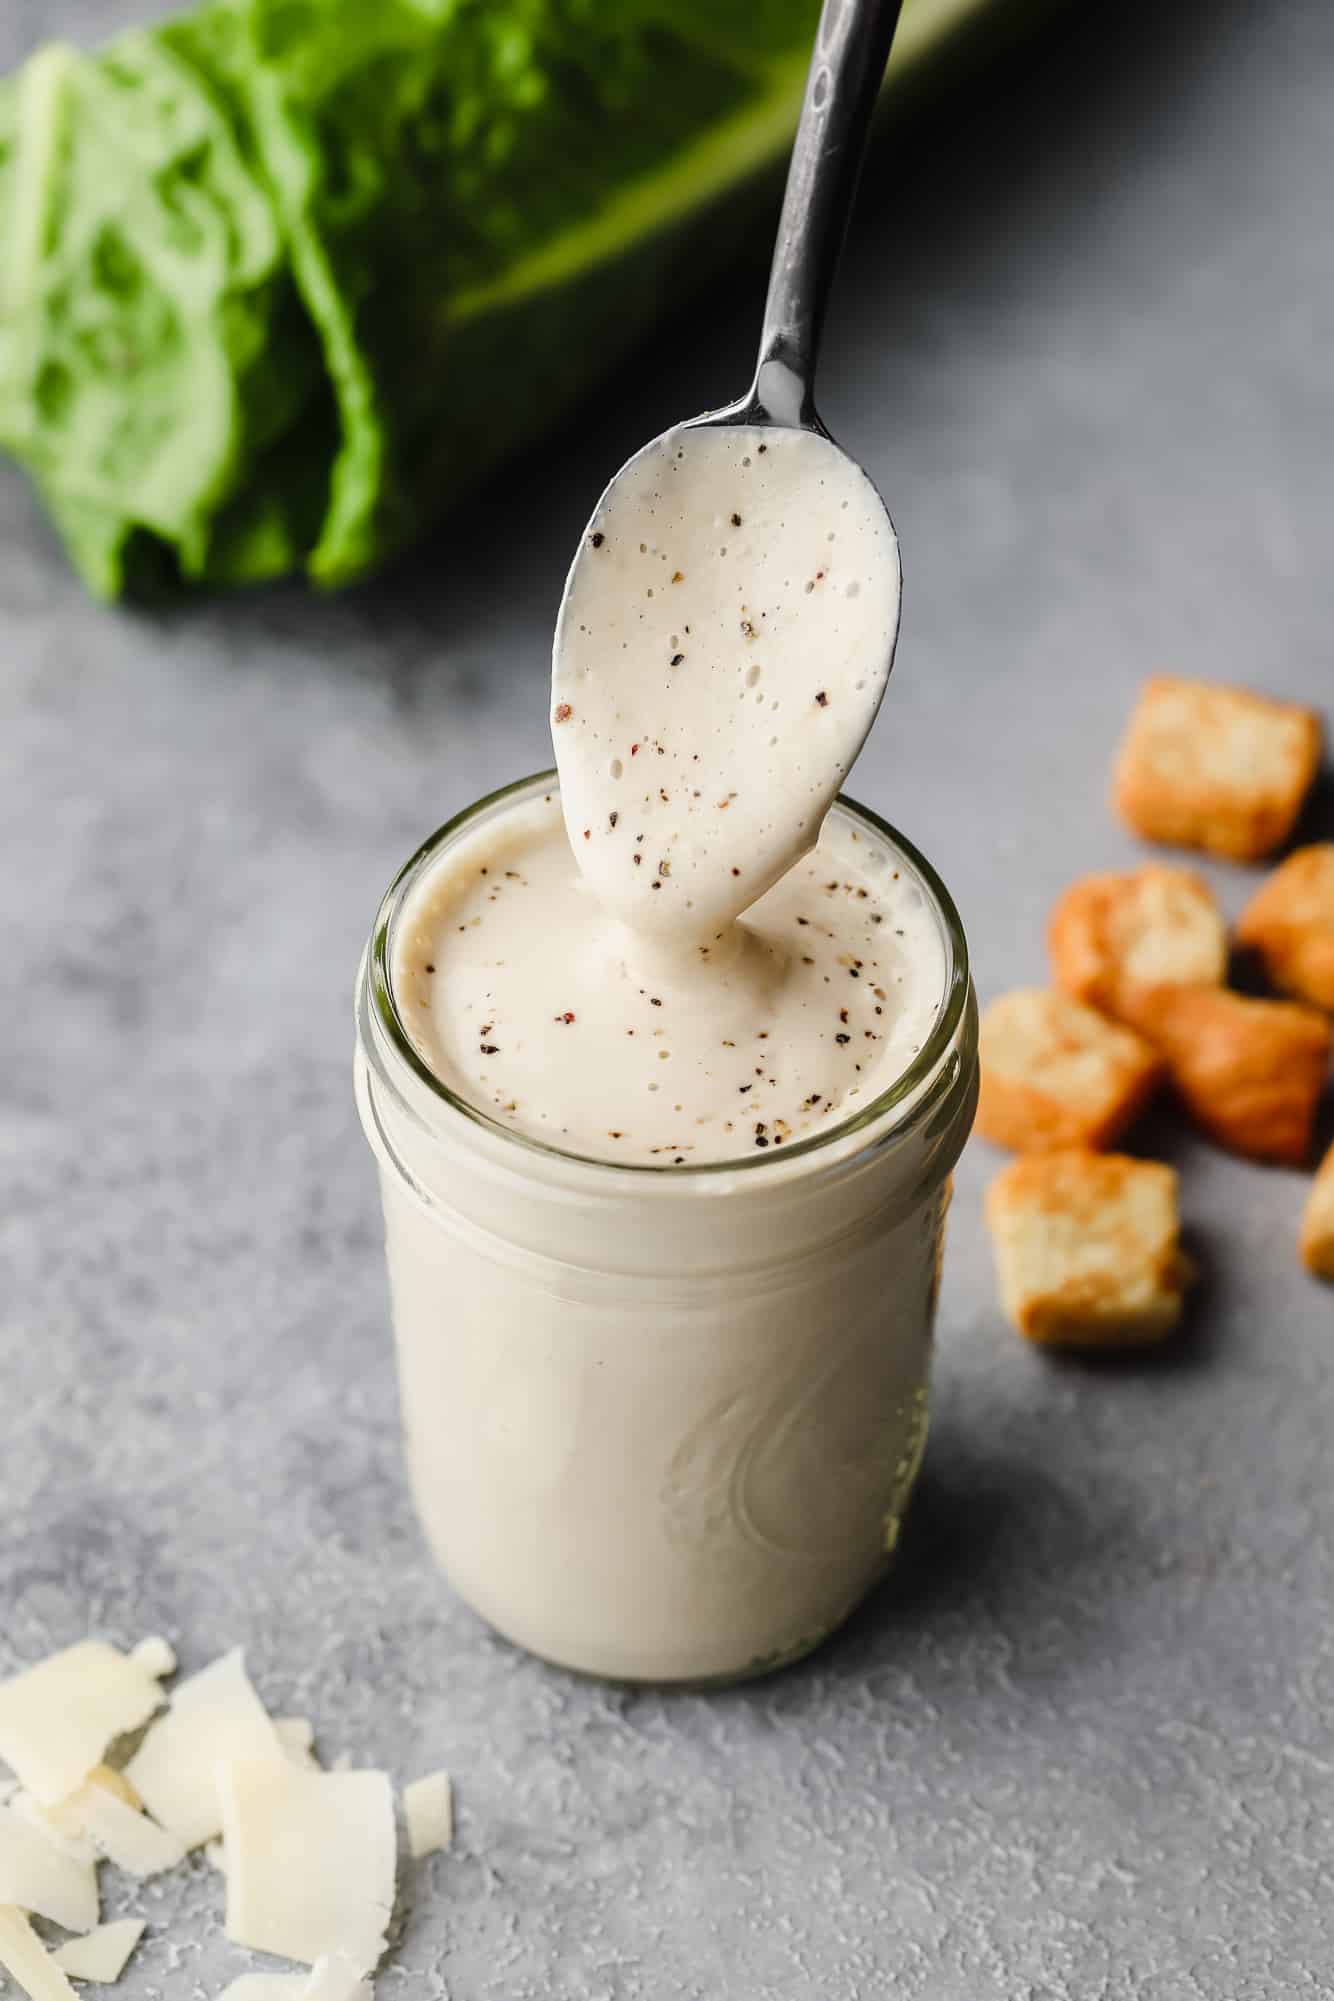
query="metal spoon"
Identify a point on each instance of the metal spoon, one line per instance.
(852, 45)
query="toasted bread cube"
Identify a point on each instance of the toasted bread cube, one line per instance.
(1203, 766)
(1290, 923)
(1317, 1238)
(1249, 1071)
(1056, 1073)
(1088, 1248)
(1145, 927)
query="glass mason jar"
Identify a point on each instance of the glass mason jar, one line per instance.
(662, 1423)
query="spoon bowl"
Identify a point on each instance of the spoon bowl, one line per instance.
(729, 620)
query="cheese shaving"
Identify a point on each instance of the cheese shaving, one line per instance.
(428, 1809)
(296, 1734)
(38, 1875)
(103, 1954)
(57, 1718)
(64, 1832)
(112, 1781)
(129, 1839)
(335, 1979)
(310, 1860)
(155, 1656)
(265, 1987)
(27, 1960)
(215, 1718)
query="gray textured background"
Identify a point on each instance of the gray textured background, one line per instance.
(1082, 1747)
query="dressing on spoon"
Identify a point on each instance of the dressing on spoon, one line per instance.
(724, 642)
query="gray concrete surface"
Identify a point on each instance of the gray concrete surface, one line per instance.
(1084, 1745)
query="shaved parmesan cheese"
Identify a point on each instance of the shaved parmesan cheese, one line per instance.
(155, 1656)
(66, 1834)
(129, 1839)
(428, 1808)
(102, 1955)
(23, 1956)
(335, 1979)
(56, 1719)
(310, 1860)
(215, 1718)
(296, 1734)
(265, 1987)
(112, 1781)
(38, 1874)
(331, 1979)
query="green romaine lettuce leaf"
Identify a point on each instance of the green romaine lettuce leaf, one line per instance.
(280, 278)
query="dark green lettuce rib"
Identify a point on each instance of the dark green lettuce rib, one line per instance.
(282, 277)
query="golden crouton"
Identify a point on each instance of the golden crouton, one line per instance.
(1250, 1071)
(1087, 1248)
(1055, 1073)
(1318, 1222)
(1147, 927)
(1203, 766)
(1290, 923)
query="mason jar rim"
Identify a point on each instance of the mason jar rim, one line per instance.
(902, 1090)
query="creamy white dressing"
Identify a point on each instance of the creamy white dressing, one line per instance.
(708, 965)
(529, 1001)
(726, 635)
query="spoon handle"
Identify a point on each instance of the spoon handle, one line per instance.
(851, 49)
